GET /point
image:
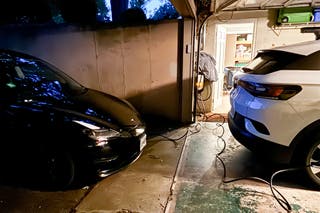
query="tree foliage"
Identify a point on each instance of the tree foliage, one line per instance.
(103, 11)
(83, 11)
(166, 11)
(137, 3)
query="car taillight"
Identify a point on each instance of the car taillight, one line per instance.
(270, 91)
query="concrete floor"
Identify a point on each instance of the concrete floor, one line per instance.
(199, 186)
(176, 176)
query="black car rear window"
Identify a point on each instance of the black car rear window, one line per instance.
(270, 61)
(310, 62)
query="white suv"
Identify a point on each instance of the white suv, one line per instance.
(275, 106)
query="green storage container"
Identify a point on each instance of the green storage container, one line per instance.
(295, 15)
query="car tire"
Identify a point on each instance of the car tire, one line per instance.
(59, 170)
(308, 157)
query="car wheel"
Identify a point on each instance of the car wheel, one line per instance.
(59, 171)
(309, 158)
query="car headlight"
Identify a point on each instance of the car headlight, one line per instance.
(138, 131)
(101, 136)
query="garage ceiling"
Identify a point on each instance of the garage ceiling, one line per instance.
(187, 8)
(242, 5)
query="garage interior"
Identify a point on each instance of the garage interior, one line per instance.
(191, 162)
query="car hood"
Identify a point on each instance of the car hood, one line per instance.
(103, 108)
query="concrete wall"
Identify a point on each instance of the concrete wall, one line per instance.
(135, 63)
(266, 37)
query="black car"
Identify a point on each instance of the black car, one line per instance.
(56, 130)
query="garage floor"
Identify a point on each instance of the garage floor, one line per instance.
(177, 173)
(200, 188)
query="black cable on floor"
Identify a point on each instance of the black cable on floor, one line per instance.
(281, 200)
(175, 139)
(197, 128)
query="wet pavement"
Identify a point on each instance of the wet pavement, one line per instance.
(177, 173)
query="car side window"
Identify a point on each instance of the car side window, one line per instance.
(270, 61)
(36, 72)
(30, 71)
(38, 79)
(18, 72)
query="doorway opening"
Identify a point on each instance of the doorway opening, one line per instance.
(233, 49)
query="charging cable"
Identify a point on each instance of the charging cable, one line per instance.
(276, 194)
(283, 202)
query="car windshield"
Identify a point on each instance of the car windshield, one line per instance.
(38, 72)
(270, 61)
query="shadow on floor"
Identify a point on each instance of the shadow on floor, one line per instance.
(157, 125)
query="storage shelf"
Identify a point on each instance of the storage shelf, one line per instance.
(242, 60)
(244, 42)
(296, 25)
(242, 49)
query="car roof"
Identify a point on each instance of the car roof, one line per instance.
(14, 53)
(303, 48)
